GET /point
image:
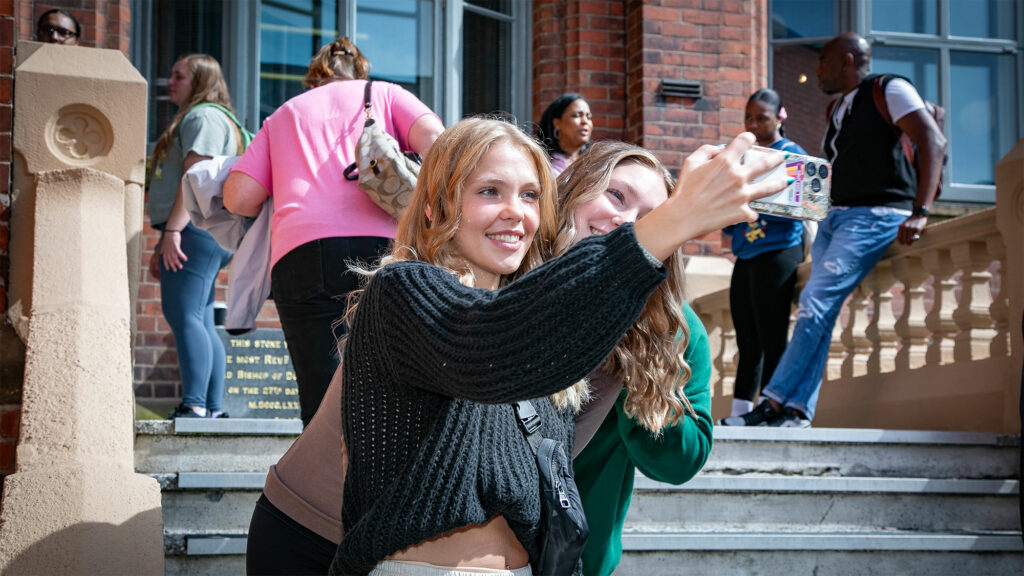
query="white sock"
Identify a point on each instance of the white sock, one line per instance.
(741, 407)
(199, 410)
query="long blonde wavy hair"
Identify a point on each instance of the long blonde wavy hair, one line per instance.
(208, 85)
(439, 189)
(649, 357)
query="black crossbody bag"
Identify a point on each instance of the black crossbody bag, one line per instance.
(563, 526)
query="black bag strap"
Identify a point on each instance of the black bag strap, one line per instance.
(529, 423)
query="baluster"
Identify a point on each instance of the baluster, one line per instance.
(910, 328)
(881, 330)
(836, 349)
(853, 338)
(727, 360)
(940, 318)
(972, 317)
(1000, 308)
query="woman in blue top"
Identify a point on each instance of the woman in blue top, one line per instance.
(767, 252)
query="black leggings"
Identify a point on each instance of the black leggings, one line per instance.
(761, 296)
(280, 546)
(310, 285)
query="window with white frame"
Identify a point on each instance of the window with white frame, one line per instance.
(459, 56)
(962, 54)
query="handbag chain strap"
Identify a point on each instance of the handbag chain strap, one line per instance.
(529, 423)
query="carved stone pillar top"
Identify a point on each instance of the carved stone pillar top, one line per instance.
(80, 97)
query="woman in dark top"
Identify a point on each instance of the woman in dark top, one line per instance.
(449, 331)
(768, 252)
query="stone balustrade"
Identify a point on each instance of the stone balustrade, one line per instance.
(930, 339)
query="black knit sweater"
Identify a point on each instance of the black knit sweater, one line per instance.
(429, 369)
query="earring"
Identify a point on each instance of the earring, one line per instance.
(556, 134)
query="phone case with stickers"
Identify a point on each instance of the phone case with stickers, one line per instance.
(808, 197)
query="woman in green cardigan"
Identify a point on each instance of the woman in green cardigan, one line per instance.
(651, 402)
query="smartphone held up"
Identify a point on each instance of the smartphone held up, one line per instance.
(807, 198)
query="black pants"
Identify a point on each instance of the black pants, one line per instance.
(280, 546)
(761, 296)
(310, 285)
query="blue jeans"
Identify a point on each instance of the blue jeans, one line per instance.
(850, 242)
(186, 297)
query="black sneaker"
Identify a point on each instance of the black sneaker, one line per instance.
(183, 411)
(763, 415)
(219, 414)
(790, 419)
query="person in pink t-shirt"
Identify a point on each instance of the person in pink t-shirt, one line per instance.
(321, 220)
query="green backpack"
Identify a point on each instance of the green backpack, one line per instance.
(246, 135)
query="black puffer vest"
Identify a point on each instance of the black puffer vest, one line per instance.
(868, 165)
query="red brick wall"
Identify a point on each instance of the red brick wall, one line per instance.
(620, 50)
(579, 46)
(105, 23)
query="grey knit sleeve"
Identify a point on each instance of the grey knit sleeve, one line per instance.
(531, 338)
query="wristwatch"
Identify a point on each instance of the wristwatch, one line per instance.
(920, 211)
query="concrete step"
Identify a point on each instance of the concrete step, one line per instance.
(863, 453)
(828, 500)
(209, 502)
(251, 445)
(756, 553)
(710, 502)
(221, 445)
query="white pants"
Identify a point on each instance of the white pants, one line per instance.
(392, 568)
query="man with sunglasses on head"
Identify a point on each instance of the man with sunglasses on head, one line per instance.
(58, 27)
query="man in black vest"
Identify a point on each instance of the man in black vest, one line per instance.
(877, 197)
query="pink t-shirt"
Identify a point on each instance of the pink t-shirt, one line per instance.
(300, 155)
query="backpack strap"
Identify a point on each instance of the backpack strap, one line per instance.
(829, 108)
(234, 121)
(529, 423)
(878, 95)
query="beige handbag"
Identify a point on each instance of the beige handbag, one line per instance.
(386, 174)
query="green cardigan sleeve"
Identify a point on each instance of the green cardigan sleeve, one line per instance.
(681, 450)
(606, 467)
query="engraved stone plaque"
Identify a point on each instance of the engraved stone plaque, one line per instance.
(260, 381)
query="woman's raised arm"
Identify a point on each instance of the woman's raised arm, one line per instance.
(713, 191)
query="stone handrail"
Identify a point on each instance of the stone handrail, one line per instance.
(941, 303)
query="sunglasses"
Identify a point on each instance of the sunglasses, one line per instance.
(44, 31)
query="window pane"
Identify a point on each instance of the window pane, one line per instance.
(793, 78)
(803, 19)
(291, 32)
(916, 16)
(982, 114)
(398, 39)
(486, 65)
(982, 18)
(502, 6)
(198, 26)
(920, 65)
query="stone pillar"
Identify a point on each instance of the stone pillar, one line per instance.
(1010, 220)
(75, 504)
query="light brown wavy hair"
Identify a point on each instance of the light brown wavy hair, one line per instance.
(447, 166)
(338, 60)
(649, 357)
(208, 85)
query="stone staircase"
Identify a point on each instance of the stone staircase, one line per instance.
(769, 501)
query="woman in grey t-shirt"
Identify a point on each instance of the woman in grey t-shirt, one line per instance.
(186, 259)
